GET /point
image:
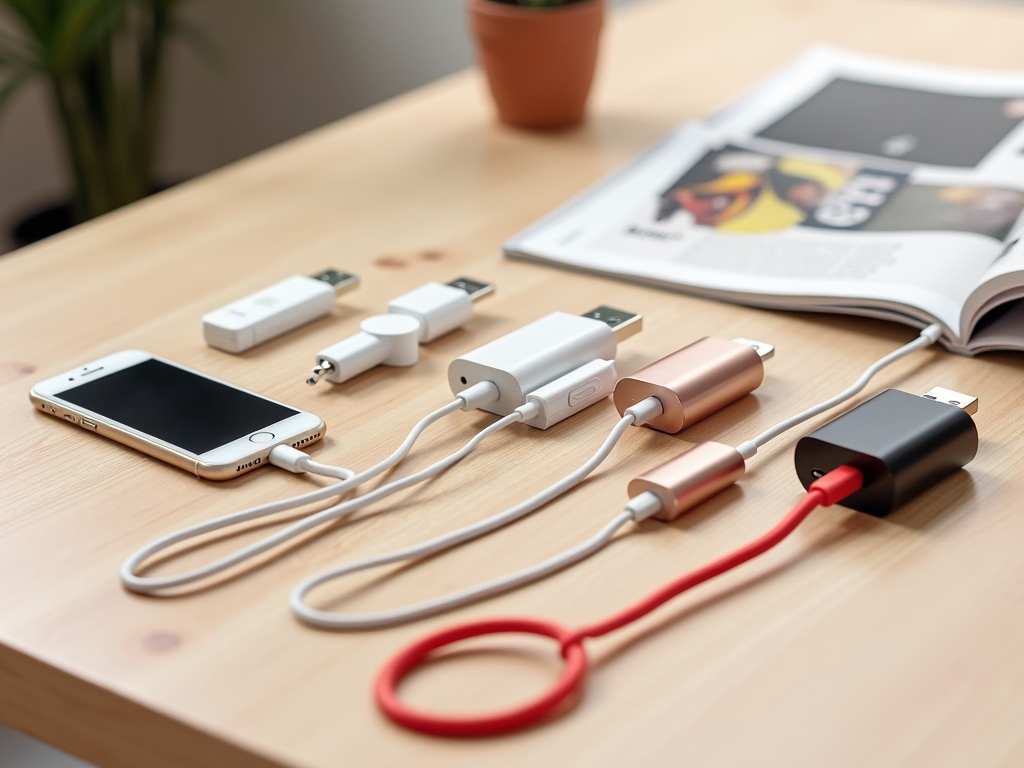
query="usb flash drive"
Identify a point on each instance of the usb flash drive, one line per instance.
(901, 443)
(278, 309)
(414, 318)
(528, 358)
(696, 381)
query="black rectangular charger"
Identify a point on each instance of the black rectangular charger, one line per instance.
(902, 443)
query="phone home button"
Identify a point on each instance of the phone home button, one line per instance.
(261, 437)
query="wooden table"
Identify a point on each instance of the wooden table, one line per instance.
(859, 642)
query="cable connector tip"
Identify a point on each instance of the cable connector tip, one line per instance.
(319, 371)
(838, 484)
(476, 289)
(623, 324)
(933, 332)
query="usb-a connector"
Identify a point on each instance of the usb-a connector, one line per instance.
(623, 324)
(966, 403)
(339, 281)
(475, 288)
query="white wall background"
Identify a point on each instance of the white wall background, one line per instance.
(288, 66)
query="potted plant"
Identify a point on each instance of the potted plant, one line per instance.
(102, 62)
(539, 57)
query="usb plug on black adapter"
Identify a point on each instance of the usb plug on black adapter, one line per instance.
(903, 444)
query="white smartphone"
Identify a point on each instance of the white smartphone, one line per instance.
(195, 422)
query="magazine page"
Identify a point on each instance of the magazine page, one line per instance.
(1003, 282)
(1000, 329)
(801, 228)
(845, 182)
(884, 111)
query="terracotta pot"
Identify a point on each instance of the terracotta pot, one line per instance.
(539, 61)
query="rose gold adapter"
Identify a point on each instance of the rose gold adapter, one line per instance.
(696, 381)
(690, 478)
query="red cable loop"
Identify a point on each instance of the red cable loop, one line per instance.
(835, 486)
(402, 663)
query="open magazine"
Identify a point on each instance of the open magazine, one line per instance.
(843, 184)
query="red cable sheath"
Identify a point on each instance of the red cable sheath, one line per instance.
(758, 546)
(828, 490)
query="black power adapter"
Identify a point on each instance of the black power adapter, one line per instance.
(903, 444)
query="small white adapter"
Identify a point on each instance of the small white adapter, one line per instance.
(527, 359)
(282, 307)
(414, 318)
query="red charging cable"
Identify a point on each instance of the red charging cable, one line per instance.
(829, 489)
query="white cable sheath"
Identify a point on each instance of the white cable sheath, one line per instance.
(637, 415)
(381, 619)
(928, 337)
(144, 584)
(639, 508)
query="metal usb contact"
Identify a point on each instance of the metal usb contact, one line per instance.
(966, 403)
(623, 324)
(475, 288)
(339, 281)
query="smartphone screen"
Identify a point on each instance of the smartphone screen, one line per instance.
(176, 406)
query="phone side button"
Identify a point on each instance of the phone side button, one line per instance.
(89, 424)
(70, 418)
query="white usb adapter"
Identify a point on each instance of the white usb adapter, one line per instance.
(417, 317)
(280, 308)
(530, 358)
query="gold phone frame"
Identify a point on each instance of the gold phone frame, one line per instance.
(221, 463)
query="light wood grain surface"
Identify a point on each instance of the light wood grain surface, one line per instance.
(860, 641)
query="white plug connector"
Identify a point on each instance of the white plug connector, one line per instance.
(382, 340)
(531, 357)
(571, 393)
(437, 307)
(414, 318)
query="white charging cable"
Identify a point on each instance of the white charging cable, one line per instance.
(927, 337)
(637, 415)
(637, 509)
(296, 461)
(554, 401)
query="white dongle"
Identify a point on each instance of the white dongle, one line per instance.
(414, 318)
(558, 345)
(282, 307)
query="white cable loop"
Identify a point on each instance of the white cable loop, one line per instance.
(331, 620)
(928, 337)
(144, 584)
(381, 619)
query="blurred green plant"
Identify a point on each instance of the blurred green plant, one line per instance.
(103, 63)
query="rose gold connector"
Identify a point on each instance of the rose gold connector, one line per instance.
(696, 381)
(690, 478)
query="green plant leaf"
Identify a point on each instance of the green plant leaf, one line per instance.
(103, 62)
